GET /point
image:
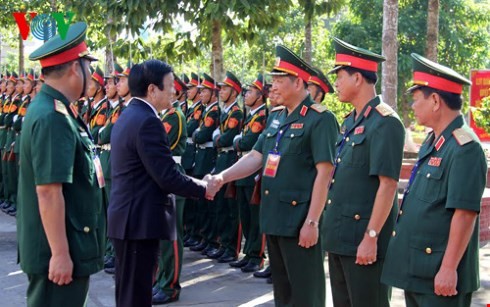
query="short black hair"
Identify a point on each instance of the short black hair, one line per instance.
(146, 73)
(292, 78)
(453, 101)
(56, 71)
(371, 77)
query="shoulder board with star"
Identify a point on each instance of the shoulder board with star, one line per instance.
(278, 108)
(318, 107)
(60, 107)
(384, 109)
(462, 136)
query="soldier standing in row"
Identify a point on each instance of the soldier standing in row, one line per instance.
(436, 231)
(123, 88)
(357, 226)
(319, 86)
(254, 248)
(98, 101)
(5, 94)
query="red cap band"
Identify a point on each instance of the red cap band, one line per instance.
(98, 78)
(353, 61)
(425, 79)
(65, 56)
(320, 83)
(208, 84)
(258, 84)
(234, 85)
(291, 69)
(177, 86)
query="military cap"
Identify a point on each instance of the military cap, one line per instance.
(41, 78)
(13, 77)
(97, 76)
(208, 82)
(259, 82)
(434, 75)
(232, 81)
(288, 63)
(184, 78)
(356, 57)
(195, 80)
(6, 77)
(179, 84)
(117, 70)
(30, 76)
(126, 71)
(58, 51)
(321, 80)
(22, 76)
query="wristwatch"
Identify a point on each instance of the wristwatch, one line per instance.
(372, 233)
(312, 223)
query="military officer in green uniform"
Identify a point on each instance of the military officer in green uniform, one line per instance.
(433, 251)
(361, 203)
(9, 89)
(184, 104)
(60, 225)
(205, 159)
(123, 88)
(167, 284)
(243, 143)
(319, 86)
(193, 118)
(296, 170)
(226, 225)
(3, 98)
(8, 158)
(99, 106)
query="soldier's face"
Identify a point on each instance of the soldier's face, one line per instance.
(39, 84)
(91, 88)
(205, 95)
(10, 87)
(251, 96)
(19, 87)
(225, 93)
(313, 89)
(283, 87)
(346, 85)
(122, 87)
(27, 87)
(272, 99)
(423, 107)
(3, 86)
(110, 88)
(192, 92)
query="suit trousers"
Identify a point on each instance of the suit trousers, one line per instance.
(136, 262)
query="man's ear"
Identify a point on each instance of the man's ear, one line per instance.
(437, 101)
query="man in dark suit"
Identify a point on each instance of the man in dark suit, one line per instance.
(141, 209)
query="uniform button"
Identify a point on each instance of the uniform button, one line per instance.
(428, 175)
(280, 131)
(294, 203)
(86, 229)
(338, 160)
(428, 250)
(393, 233)
(268, 134)
(357, 217)
(292, 135)
(266, 192)
(401, 212)
(329, 201)
(333, 180)
(353, 144)
(347, 139)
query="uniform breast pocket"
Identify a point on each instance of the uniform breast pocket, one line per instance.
(357, 153)
(294, 205)
(429, 190)
(425, 257)
(270, 138)
(293, 141)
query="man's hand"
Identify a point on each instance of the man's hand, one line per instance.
(214, 184)
(308, 236)
(60, 269)
(445, 282)
(366, 251)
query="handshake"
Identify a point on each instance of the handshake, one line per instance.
(213, 185)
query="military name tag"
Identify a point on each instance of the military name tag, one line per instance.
(435, 161)
(271, 165)
(98, 171)
(275, 123)
(297, 126)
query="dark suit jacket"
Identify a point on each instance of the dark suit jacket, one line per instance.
(143, 175)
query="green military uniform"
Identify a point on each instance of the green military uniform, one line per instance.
(226, 226)
(449, 175)
(3, 134)
(370, 145)
(253, 126)
(193, 119)
(56, 148)
(171, 252)
(298, 273)
(205, 161)
(98, 117)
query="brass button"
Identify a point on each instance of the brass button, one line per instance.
(347, 139)
(280, 131)
(329, 201)
(353, 144)
(338, 160)
(393, 233)
(357, 217)
(428, 250)
(266, 192)
(428, 175)
(333, 180)
(86, 229)
(401, 212)
(294, 203)
(292, 135)
(268, 134)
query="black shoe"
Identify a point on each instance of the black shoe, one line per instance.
(239, 263)
(225, 258)
(12, 211)
(161, 298)
(209, 248)
(199, 247)
(251, 267)
(154, 290)
(111, 271)
(191, 242)
(109, 264)
(6, 206)
(263, 274)
(269, 280)
(216, 253)
(186, 237)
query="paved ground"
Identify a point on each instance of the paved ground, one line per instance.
(205, 282)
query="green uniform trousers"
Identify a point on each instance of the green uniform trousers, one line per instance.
(345, 274)
(13, 177)
(249, 219)
(227, 225)
(109, 248)
(4, 163)
(413, 299)
(41, 292)
(170, 259)
(208, 218)
(297, 272)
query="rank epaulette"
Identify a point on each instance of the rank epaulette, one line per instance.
(384, 109)
(278, 108)
(462, 136)
(318, 107)
(60, 107)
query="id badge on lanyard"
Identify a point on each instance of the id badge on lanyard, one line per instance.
(98, 169)
(274, 157)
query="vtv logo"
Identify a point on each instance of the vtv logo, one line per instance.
(43, 26)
